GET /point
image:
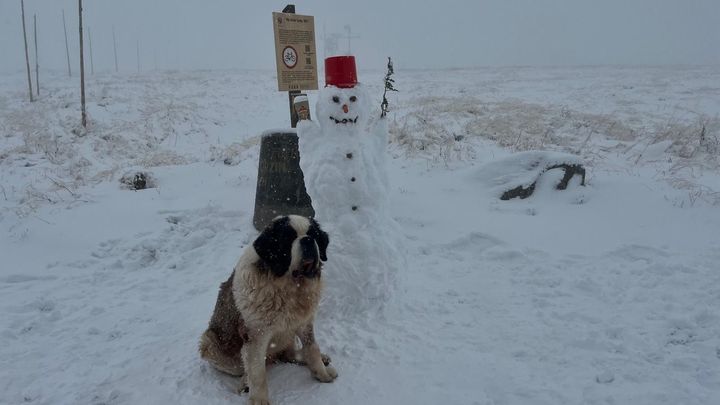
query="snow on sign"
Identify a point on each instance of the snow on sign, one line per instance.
(295, 51)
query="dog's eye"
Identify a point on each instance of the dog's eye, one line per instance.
(353, 99)
(336, 99)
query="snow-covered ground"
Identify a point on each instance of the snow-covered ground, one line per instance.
(604, 294)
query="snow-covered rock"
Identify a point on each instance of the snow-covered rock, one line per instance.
(521, 170)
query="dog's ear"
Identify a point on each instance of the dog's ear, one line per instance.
(321, 237)
(323, 241)
(274, 245)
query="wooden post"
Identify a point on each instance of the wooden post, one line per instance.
(115, 49)
(82, 70)
(290, 9)
(92, 65)
(27, 57)
(37, 63)
(138, 55)
(67, 48)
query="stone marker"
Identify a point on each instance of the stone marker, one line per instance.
(280, 183)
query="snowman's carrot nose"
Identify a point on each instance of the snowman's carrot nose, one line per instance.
(345, 108)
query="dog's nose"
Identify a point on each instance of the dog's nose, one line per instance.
(309, 248)
(310, 261)
(345, 108)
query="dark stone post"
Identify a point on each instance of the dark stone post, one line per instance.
(280, 184)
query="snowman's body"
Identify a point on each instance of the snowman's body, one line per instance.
(343, 162)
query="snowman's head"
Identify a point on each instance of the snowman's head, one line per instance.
(344, 109)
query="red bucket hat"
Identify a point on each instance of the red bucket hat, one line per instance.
(340, 71)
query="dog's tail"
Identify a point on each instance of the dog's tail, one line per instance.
(210, 351)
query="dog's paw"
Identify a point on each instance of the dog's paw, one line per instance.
(328, 375)
(243, 387)
(331, 372)
(256, 400)
(325, 359)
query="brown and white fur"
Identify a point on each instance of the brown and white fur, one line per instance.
(269, 300)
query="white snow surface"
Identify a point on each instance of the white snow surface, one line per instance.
(603, 294)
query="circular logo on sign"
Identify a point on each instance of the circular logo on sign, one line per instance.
(290, 57)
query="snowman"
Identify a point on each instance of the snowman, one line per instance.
(342, 157)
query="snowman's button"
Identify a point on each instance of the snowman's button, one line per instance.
(354, 207)
(349, 155)
(352, 179)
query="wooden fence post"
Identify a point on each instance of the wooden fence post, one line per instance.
(82, 70)
(27, 57)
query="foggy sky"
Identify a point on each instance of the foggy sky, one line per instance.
(221, 34)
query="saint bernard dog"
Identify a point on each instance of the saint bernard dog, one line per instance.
(269, 300)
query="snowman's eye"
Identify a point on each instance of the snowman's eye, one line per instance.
(336, 99)
(353, 99)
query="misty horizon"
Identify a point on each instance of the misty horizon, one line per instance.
(224, 34)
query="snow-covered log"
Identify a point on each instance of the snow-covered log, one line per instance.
(517, 175)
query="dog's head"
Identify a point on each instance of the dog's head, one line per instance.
(292, 243)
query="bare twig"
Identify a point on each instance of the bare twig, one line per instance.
(585, 142)
(43, 220)
(115, 49)
(37, 63)
(517, 141)
(388, 87)
(92, 64)
(60, 184)
(67, 47)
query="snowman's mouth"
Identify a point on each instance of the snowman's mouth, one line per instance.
(344, 120)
